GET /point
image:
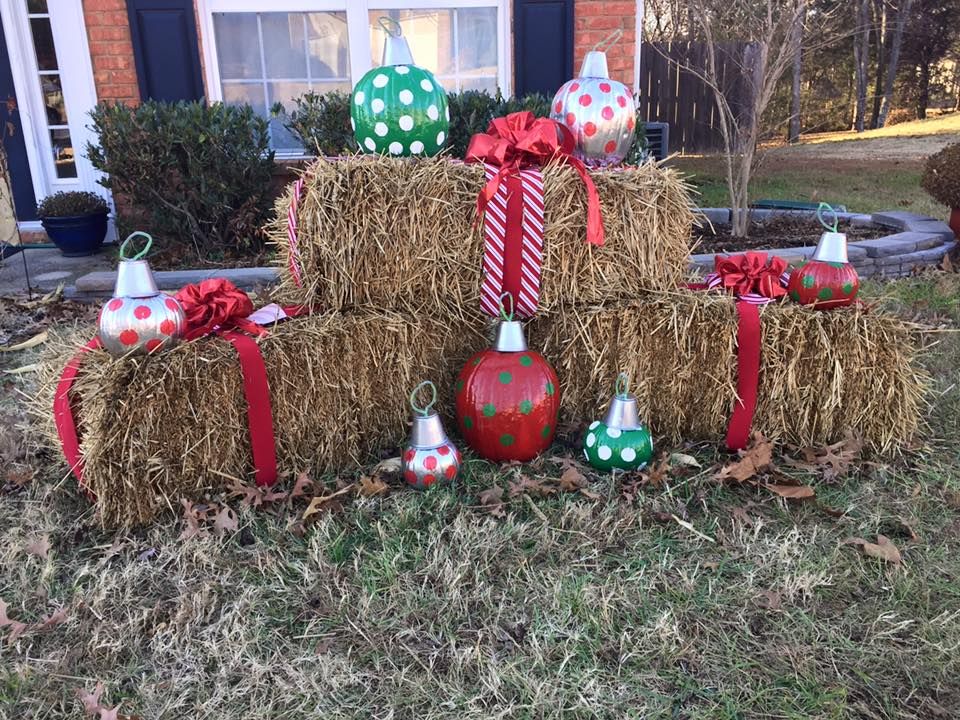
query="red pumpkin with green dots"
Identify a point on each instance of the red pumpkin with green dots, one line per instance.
(508, 399)
(828, 280)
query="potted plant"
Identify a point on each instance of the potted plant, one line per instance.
(941, 179)
(75, 221)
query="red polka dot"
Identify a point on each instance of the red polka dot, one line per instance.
(411, 477)
(450, 472)
(607, 113)
(167, 327)
(430, 463)
(459, 458)
(443, 450)
(605, 87)
(621, 101)
(172, 304)
(153, 344)
(141, 312)
(589, 129)
(571, 119)
(115, 304)
(630, 123)
(558, 107)
(585, 100)
(574, 86)
(409, 454)
(429, 480)
(129, 337)
(610, 147)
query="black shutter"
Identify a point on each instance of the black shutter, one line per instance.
(166, 49)
(542, 45)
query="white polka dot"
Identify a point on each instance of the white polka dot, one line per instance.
(426, 85)
(353, 124)
(585, 455)
(376, 105)
(432, 112)
(613, 432)
(441, 137)
(401, 69)
(359, 98)
(396, 148)
(591, 440)
(446, 111)
(380, 129)
(405, 122)
(595, 424)
(370, 144)
(604, 452)
(405, 96)
(416, 147)
(380, 80)
(628, 454)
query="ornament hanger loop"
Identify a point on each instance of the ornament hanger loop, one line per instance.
(824, 209)
(425, 410)
(609, 40)
(142, 253)
(503, 308)
(390, 26)
(622, 387)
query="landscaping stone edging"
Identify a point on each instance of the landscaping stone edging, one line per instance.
(921, 241)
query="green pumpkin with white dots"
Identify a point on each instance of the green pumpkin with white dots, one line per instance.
(399, 108)
(620, 442)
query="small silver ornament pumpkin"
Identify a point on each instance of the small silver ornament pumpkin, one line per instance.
(620, 442)
(429, 455)
(139, 318)
(600, 112)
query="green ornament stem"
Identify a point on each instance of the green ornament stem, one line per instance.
(835, 226)
(609, 40)
(140, 255)
(503, 308)
(390, 26)
(425, 410)
(622, 387)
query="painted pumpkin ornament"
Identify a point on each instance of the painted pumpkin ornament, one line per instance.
(828, 280)
(139, 318)
(399, 108)
(429, 455)
(620, 442)
(508, 397)
(600, 112)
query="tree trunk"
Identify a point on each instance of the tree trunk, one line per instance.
(896, 44)
(923, 91)
(883, 42)
(861, 55)
(793, 135)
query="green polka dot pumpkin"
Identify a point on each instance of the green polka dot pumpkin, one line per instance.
(620, 442)
(828, 280)
(399, 108)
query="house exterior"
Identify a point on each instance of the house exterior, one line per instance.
(58, 58)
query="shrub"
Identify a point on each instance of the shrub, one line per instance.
(191, 172)
(321, 122)
(472, 110)
(71, 204)
(900, 115)
(941, 176)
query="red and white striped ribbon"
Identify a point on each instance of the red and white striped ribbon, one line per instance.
(713, 280)
(294, 261)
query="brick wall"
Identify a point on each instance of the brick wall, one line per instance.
(593, 21)
(111, 50)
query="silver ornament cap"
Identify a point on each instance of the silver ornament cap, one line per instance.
(427, 432)
(135, 280)
(595, 65)
(396, 49)
(510, 337)
(832, 248)
(623, 413)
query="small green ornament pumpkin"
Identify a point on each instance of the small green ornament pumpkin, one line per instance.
(399, 108)
(620, 442)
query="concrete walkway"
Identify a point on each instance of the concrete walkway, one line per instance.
(48, 268)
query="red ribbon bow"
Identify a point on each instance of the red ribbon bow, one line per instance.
(752, 273)
(217, 304)
(521, 140)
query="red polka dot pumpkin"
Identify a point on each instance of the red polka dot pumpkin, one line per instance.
(508, 399)
(139, 318)
(600, 113)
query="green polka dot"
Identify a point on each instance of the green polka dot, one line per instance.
(836, 264)
(505, 377)
(489, 410)
(545, 433)
(526, 360)
(807, 281)
(506, 439)
(476, 360)
(795, 296)
(550, 389)
(825, 294)
(526, 407)
(847, 288)
(468, 422)
(459, 386)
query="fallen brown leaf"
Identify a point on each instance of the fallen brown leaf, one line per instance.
(57, 617)
(591, 494)
(372, 486)
(225, 521)
(753, 460)
(525, 484)
(572, 479)
(328, 503)
(491, 500)
(657, 473)
(19, 478)
(90, 700)
(192, 517)
(882, 549)
(769, 599)
(39, 547)
(740, 514)
(302, 487)
(791, 492)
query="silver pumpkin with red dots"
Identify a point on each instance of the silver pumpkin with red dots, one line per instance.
(139, 318)
(600, 113)
(429, 456)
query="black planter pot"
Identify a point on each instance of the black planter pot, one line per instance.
(78, 235)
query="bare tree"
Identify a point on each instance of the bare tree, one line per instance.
(861, 57)
(893, 60)
(793, 134)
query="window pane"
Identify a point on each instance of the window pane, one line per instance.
(53, 99)
(238, 45)
(284, 44)
(477, 40)
(328, 45)
(429, 34)
(63, 153)
(479, 83)
(37, 6)
(43, 43)
(246, 93)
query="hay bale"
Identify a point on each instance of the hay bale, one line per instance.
(401, 234)
(163, 427)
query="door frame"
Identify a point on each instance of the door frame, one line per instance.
(79, 94)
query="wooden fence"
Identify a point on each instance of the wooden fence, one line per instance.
(679, 98)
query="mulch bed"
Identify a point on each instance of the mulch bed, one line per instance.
(780, 232)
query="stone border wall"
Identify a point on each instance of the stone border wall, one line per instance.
(918, 241)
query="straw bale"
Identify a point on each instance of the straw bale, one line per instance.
(401, 234)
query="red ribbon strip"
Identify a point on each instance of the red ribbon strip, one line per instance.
(752, 273)
(522, 140)
(748, 375)
(63, 415)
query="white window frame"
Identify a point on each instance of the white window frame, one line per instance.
(358, 15)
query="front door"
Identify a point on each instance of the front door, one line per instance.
(53, 78)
